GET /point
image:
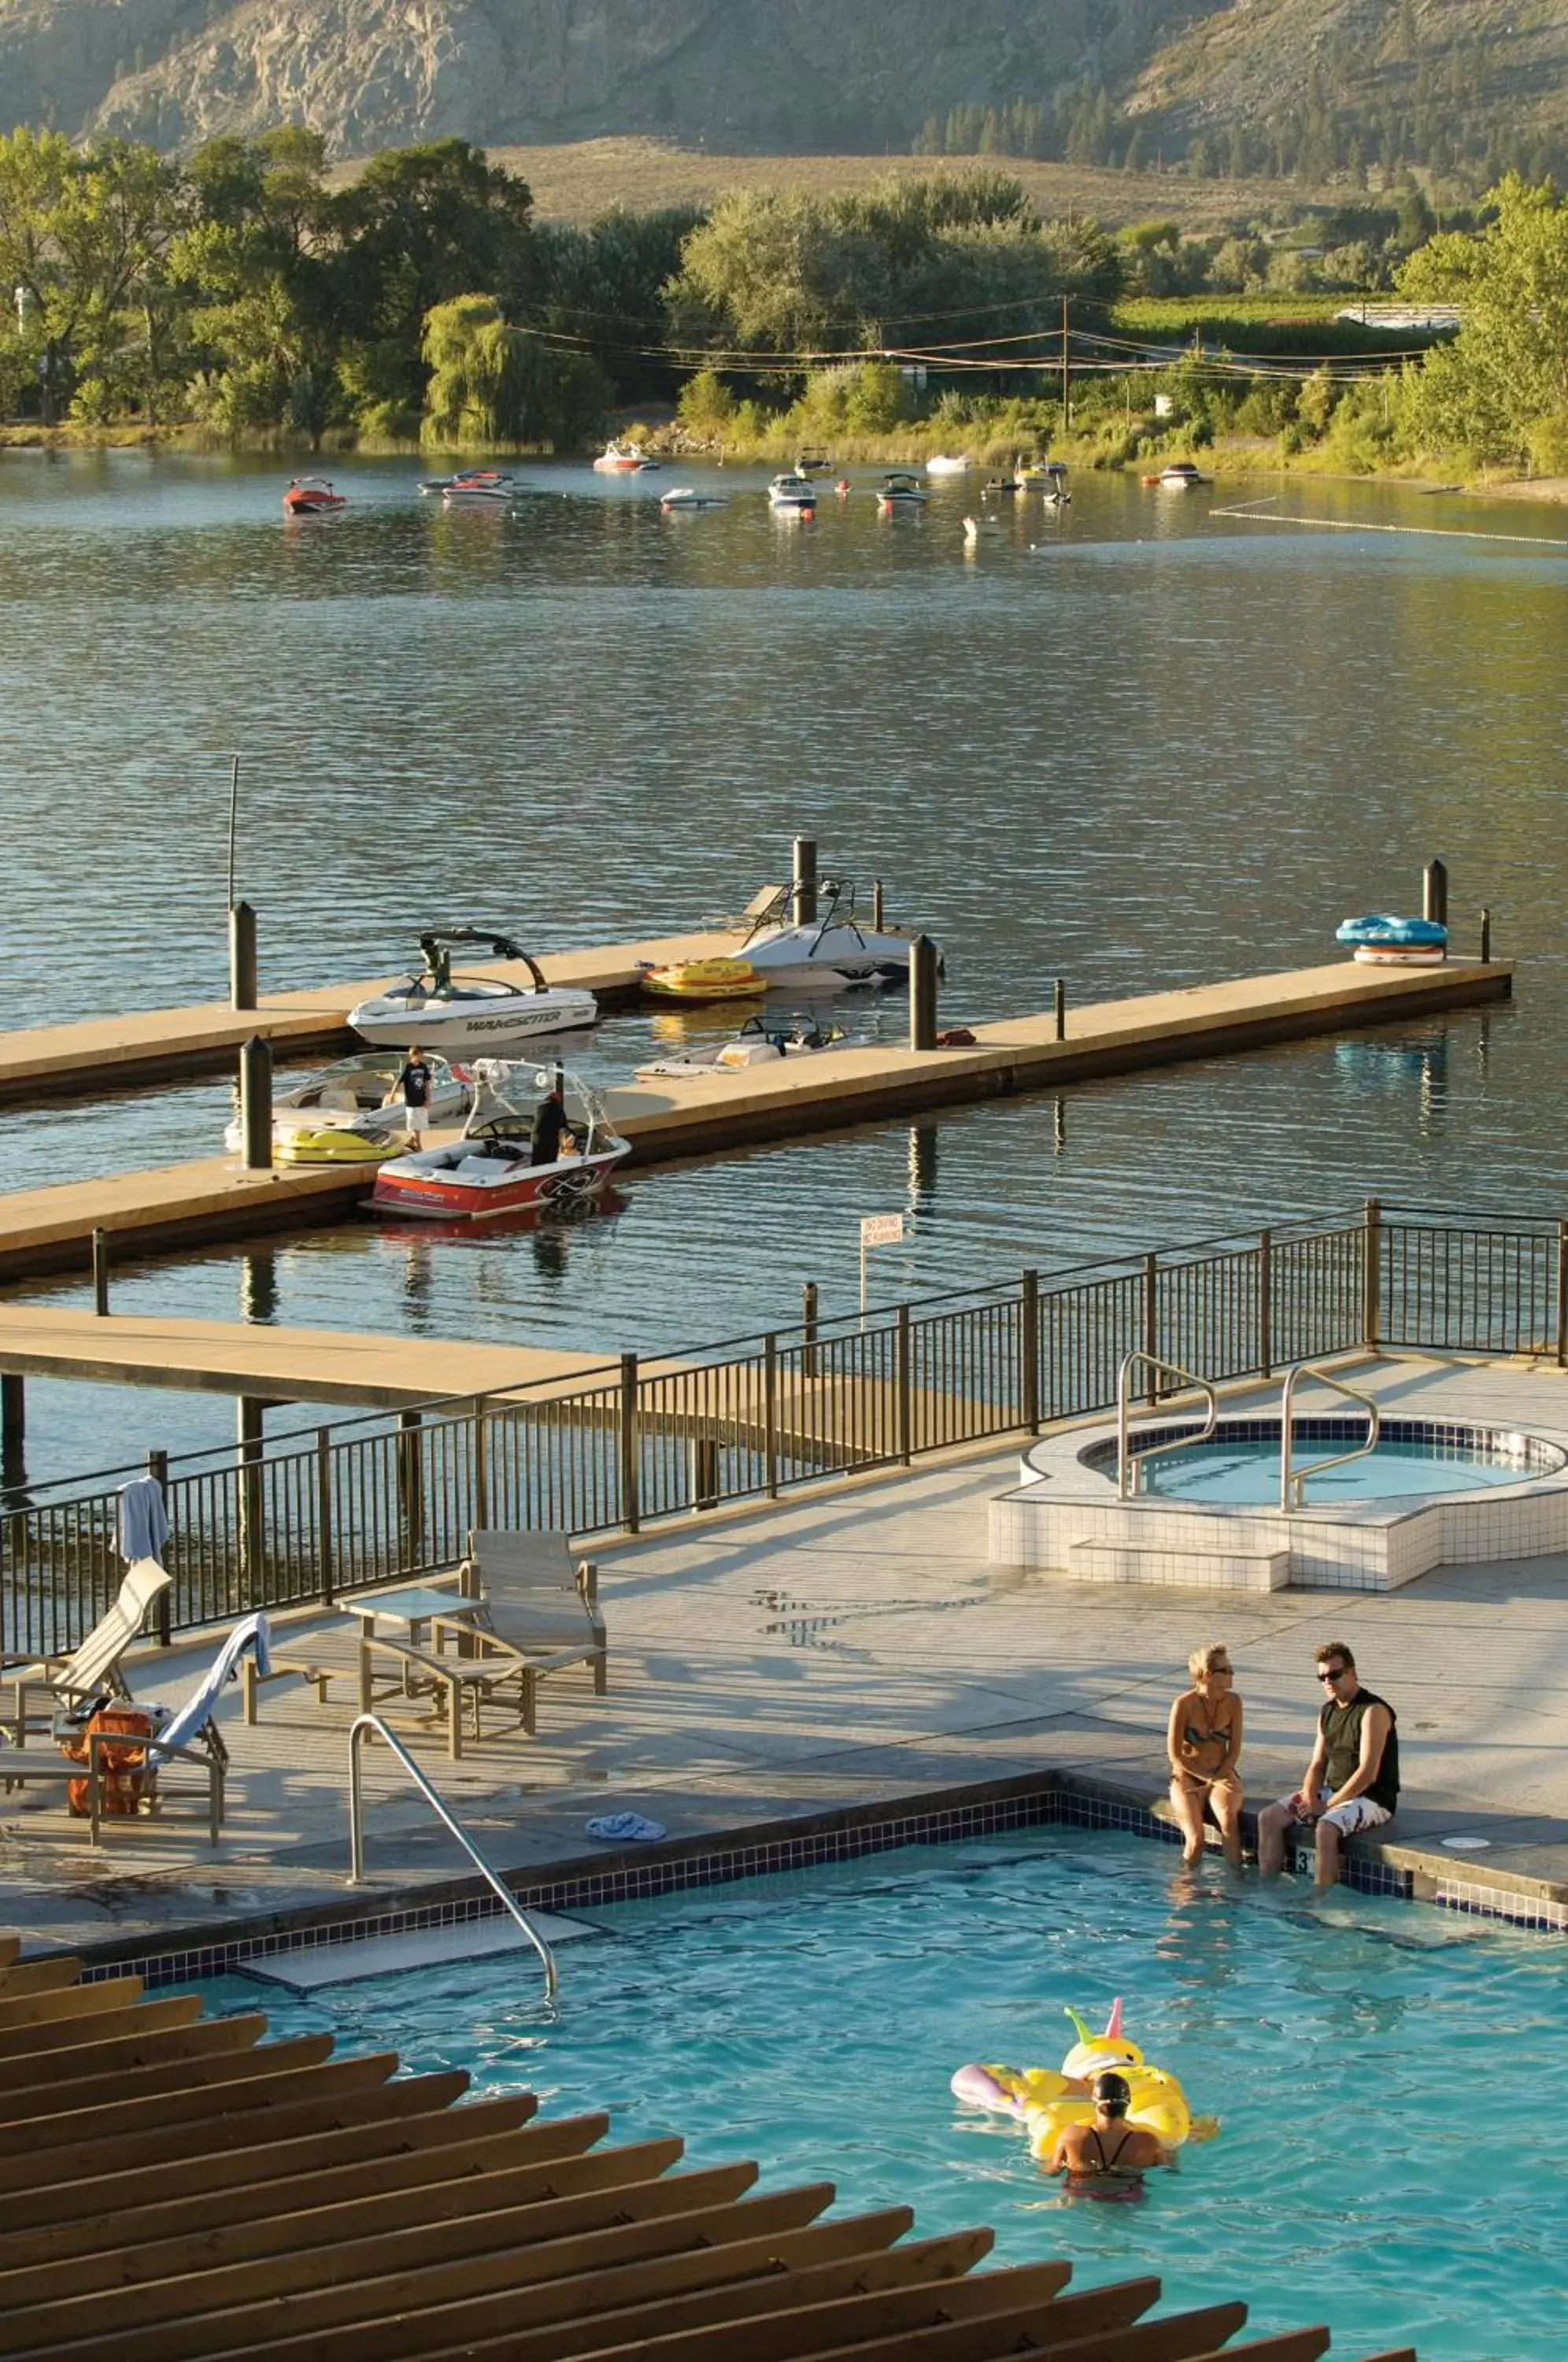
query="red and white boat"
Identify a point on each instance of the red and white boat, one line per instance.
(313, 496)
(489, 1169)
(624, 459)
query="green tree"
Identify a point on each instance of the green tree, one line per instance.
(1507, 371)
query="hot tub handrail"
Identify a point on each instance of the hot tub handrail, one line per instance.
(365, 1725)
(1291, 1481)
(1126, 1466)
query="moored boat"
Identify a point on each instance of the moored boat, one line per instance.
(624, 459)
(1181, 476)
(900, 489)
(940, 464)
(687, 496)
(313, 496)
(478, 488)
(813, 463)
(341, 1116)
(464, 1013)
(507, 1160)
(757, 1045)
(832, 952)
(792, 494)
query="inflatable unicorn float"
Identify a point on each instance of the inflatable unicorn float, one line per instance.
(1045, 2101)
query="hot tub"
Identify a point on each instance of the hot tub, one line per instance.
(1434, 1492)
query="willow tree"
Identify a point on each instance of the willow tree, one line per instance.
(1500, 389)
(479, 375)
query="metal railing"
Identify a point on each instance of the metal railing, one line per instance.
(1129, 1468)
(365, 1725)
(1292, 1482)
(306, 1515)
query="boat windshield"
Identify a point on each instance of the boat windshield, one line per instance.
(508, 1092)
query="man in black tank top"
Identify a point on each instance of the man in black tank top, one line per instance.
(1352, 1780)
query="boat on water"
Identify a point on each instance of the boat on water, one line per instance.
(832, 952)
(687, 496)
(457, 1014)
(341, 1116)
(1181, 476)
(757, 1045)
(792, 494)
(900, 490)
(703, 980)
(479, 488)
(940, 464)
(624, 459)
(996, 485)
(1042, 471)
(491, 1168)
(813, 463)
(313, 496)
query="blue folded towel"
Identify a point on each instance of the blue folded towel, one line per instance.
(623, 1828)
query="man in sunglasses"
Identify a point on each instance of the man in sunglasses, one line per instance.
(1352, 1780)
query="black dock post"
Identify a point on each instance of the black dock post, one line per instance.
(1485, 936)
(922, 994)
(1434, 892)
(804, 891)
(241, 956)
(101, 1273)
(256, 1104)
(1059, 1002)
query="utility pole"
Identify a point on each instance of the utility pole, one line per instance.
(1066, 372)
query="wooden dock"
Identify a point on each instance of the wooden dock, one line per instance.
(157, 1044)
(187, 1205)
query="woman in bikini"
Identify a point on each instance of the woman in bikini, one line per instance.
(1204, 1741)
(1110, 2157)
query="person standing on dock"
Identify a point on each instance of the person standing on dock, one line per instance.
(413, 1087)
(1352, 1780)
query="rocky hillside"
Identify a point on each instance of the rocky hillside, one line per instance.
(766, 75)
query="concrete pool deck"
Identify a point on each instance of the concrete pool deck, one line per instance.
(852, 1647)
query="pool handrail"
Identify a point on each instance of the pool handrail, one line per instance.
(364, 1726)
(1291, 1481)
(1127, 1464)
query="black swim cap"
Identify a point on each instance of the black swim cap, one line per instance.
(1112, 2092)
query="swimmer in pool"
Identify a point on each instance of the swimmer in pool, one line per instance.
(1110, 2157)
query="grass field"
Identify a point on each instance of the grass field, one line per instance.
(574, 183)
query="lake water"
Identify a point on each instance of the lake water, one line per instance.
(1136, 745)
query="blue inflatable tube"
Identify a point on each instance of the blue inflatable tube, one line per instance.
(1382, 932)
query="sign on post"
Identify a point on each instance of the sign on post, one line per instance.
(877, 1230)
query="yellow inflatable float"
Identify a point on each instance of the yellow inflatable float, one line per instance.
(1046, 2103)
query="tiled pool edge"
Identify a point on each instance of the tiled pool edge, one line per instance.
(1030, 1800)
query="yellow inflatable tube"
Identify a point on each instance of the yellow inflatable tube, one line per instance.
(1047, 2102)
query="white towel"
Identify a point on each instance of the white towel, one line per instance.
(142, 1518)
(187, 1720)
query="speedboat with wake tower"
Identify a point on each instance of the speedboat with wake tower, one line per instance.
(347, 1115)
(506, 1161)
(462, 1014)
(832, 952)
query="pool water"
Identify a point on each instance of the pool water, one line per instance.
(1391, 2080)
(1247, 1470)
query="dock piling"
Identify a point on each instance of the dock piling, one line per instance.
(241, 956)
(101, 1273)
(804, 891)
(1434, 892)
(12, 1428)
(1486, 937)
(256, 1104)
(922, 994)
(878, 919)
(1059, 1007)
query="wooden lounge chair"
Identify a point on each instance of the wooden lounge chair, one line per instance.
(93, 1668)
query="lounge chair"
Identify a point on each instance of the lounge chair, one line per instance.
(93, 1668)
(539, 1614)
(189, 1736)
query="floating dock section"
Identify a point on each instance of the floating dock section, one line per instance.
(190, 1205)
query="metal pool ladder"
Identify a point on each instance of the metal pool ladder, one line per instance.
(363, 1726)
(1127, 1467)
(1291, 1481)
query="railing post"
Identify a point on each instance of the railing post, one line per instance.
(1561, 1294)
(1265, 1303)
(482, 1463)
(808, 1330)
(325, 1535)
(411, 1485)
(904, 1405)
(1372, 1277)
(1029, 1352)
(631, 1489)
(1152, 1325)
(251, 1439)
(770, 1415)
(157, 1469)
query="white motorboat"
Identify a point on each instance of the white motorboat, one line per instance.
(685, 496)
(462, 1014)
(792, 494)
(812, 463)
(757, 1045)
(624, 459)
(900, 490)
(479, 488)
(341, 1116)
(833, 953)
(492, 1168)
(939, 464)
(1181, 476)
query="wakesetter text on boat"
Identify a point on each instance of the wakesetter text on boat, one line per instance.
(463, 1013)
(511, 1156)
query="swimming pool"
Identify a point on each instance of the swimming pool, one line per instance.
(1357, 2050)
